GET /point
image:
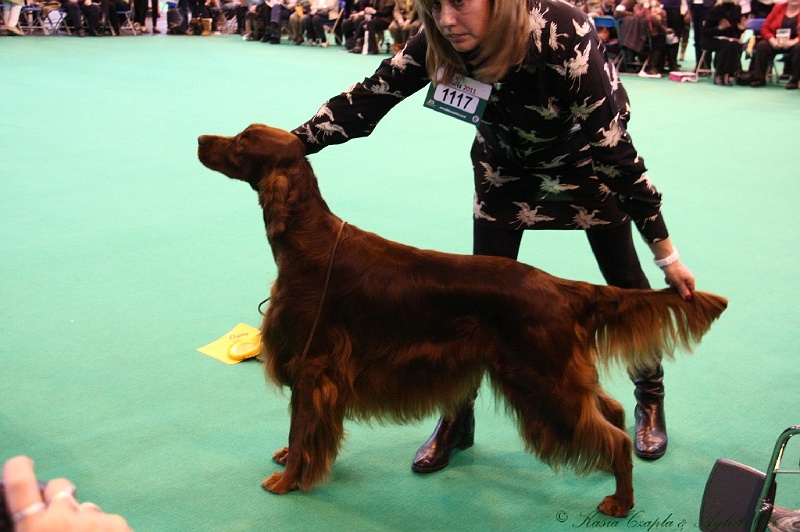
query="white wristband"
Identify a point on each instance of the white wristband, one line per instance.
(666, 261)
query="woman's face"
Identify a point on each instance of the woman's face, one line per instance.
(462, 22)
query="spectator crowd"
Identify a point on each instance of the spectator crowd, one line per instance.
(646, 37)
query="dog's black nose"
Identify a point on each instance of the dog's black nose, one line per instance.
(201, 140)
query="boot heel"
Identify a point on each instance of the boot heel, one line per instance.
(467, 441)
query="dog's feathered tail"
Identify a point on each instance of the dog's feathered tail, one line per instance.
(642, 326)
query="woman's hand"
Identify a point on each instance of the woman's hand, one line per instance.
(676, 274)
(680, 278)
(54, 509)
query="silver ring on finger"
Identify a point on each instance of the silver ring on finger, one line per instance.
(69, 495)
(28, 511)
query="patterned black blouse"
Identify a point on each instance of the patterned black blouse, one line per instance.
(551, 150)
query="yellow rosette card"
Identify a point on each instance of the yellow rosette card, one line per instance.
(241, 343)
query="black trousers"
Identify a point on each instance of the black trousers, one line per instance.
(613, 249)
(699, 14)
(763, 55)
(140, 11)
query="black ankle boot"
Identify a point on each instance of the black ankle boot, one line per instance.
(650, 441)
(450, 433)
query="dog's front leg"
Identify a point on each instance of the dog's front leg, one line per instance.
(281, 456)
(314, 436)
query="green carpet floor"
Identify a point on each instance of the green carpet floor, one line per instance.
(120, 255)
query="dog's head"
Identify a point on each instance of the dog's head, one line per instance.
(273, 162)
(252, 155)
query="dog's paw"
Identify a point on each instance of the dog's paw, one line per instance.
(281, 455)
(615, 507)
(277, 483)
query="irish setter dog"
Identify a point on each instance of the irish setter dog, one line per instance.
(361, 327)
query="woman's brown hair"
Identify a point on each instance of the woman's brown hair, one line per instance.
(504, 45)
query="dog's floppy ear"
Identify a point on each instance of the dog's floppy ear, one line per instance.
(268, 150)
(273, 195)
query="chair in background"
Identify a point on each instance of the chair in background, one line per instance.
(126, 20)
(332, 24)
(754, 27)
(56, 22)
(30, 20)
(627, 59)
(699, 69)
(738, 498)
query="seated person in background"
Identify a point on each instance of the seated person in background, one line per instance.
(405, 24)
(664, 43)
(640, 24)
(231, 9)
(112, 15)
(321, 12)
(779, 34)
(253, 20)
(280, 13)
(352, 23)
(296, 21)
(377, 17)
(11, 12)
(723, 30)
(76, 11)
(607, 35)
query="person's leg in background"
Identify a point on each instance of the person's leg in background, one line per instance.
(154, 15)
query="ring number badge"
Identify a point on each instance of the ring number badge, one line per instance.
(465, 99)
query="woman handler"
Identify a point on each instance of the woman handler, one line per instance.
(551, 151)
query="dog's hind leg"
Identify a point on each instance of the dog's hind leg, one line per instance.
(617, 453)
(566, 422)
(611, 410)
(314, 436)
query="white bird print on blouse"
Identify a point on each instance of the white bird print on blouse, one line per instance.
(552, 185)
(324, 110)
(477, 210)
(612, 135)
(538, 23)
(613, 75)
(552, 40)
(577, 66)
(329, 128)
(310, 137)
(530, 217)
(401, 61)
(607, 169)
(531, 136)
(549, 112)
(583, 111)
(382, 87)
(493, 178)
(349, 92)
(586, 220)
(583, 29)
(555, 163)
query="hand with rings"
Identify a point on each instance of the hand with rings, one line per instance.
(52, 509)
